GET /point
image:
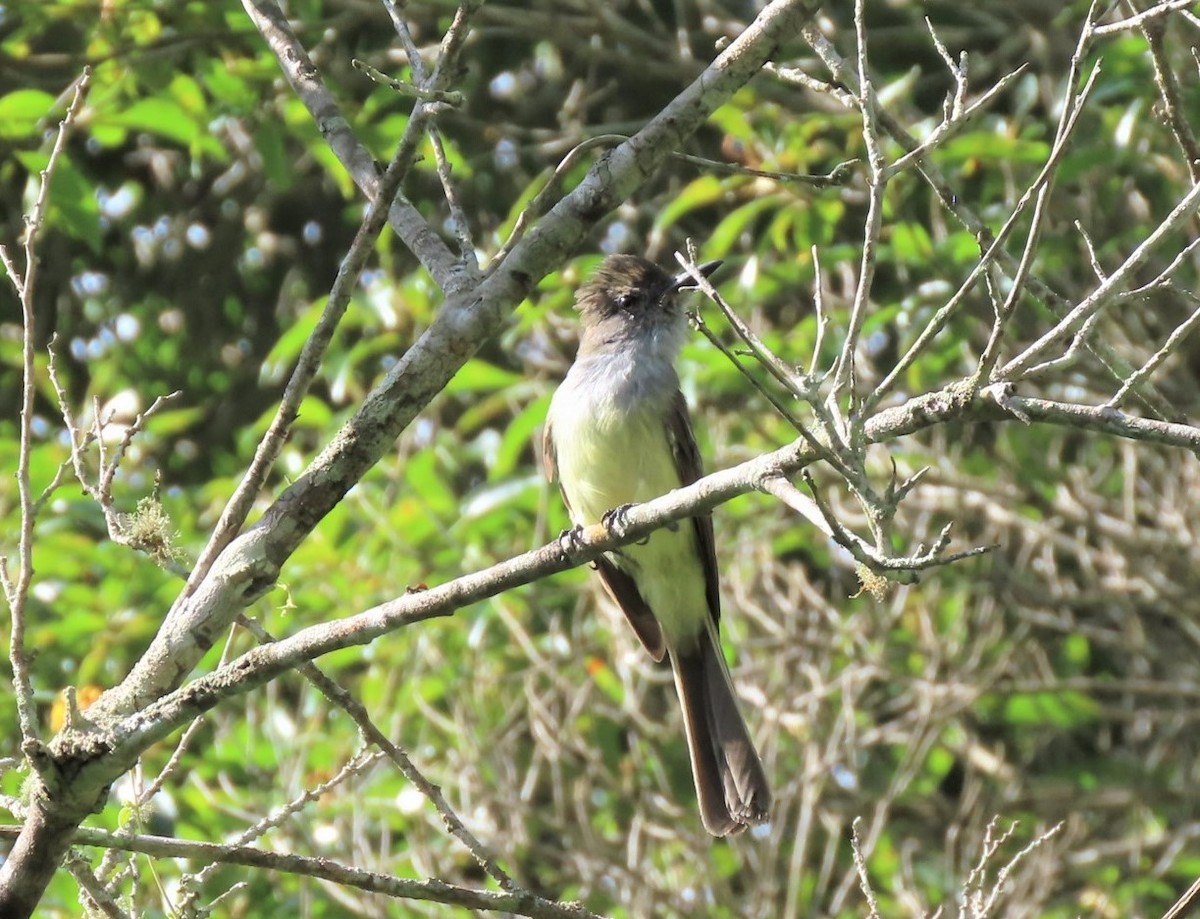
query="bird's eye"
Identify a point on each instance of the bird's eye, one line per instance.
(624, 301)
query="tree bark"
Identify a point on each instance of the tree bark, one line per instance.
(35, 856)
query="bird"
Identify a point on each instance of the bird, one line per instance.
(617, 433)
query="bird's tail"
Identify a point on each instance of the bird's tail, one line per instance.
(730, 782)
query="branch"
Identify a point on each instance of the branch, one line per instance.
(1173, 105)
(843, 368)
(251, 563)
(358, 713)
(1105, 293)
(307, 367)
(326, 869)
(1178, 334)
(261, 664)
(1138, 21)
(305, 80)
(955, 204)
(17, 593)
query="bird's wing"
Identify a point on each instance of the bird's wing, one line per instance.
(691, 468)
(620, 586)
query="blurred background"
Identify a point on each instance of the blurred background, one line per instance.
(196, 223)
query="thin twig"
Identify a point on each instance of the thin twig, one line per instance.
(955, 204)
(522, 904)
(451, 97)
(540, 203)
(77, 866)
(1171, 94)
(1105, 293)
(345, 701)
(1179, 333)
(1044, 184)
(860, 867)
(796, 383)
(378, 214)
(843, 368)
(838, 175)
(17, 593)
(304, 77)
(308, 365)
(353, 767)
(1139, 20)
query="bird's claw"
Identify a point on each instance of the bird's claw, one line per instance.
(616, 521)
(570, 540)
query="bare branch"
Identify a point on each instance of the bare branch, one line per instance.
(307, 367)
(860, 866)
(1171, 94)
(1105, 293)
(522, 904)
(17, 592)
(1178, 334)
(305, 80)
(446, 97)
(1139, 20)
(843, 368)
(345, 701)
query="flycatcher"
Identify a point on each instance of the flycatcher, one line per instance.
(618, 433)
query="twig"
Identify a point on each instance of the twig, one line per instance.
(451, 97)
(308, 365)
(958, 114)
(1044, 183)
(522, 904)
(797, 384)
(1169, 90)
(843, 368)
(147, 529)
(818, 311)
(791, 496)
(1139, 20)
(979, 905)
(17, 593)
(1183, 906)
(355, 766)
(860, 866)
(1105, 293)
(305, 80)
(540, 202)
(838, 175)
(955, 204)
(900, 568)
(1093, 259)
(1178, 334)
(381, 211)
(100, 899)
(344, 700)
(431, 85)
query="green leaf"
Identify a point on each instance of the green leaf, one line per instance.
(730, 230)
(73, 205)
(1051, 709)
(518, 438)
(699, 193)
(22, 111)
(478, 376)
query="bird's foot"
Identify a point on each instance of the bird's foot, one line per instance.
(616, 521)
(570, 540)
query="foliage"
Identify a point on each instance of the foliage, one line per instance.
(196, 223)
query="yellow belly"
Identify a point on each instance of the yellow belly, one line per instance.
(605, 461)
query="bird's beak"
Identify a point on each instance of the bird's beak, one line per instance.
(684, 281)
